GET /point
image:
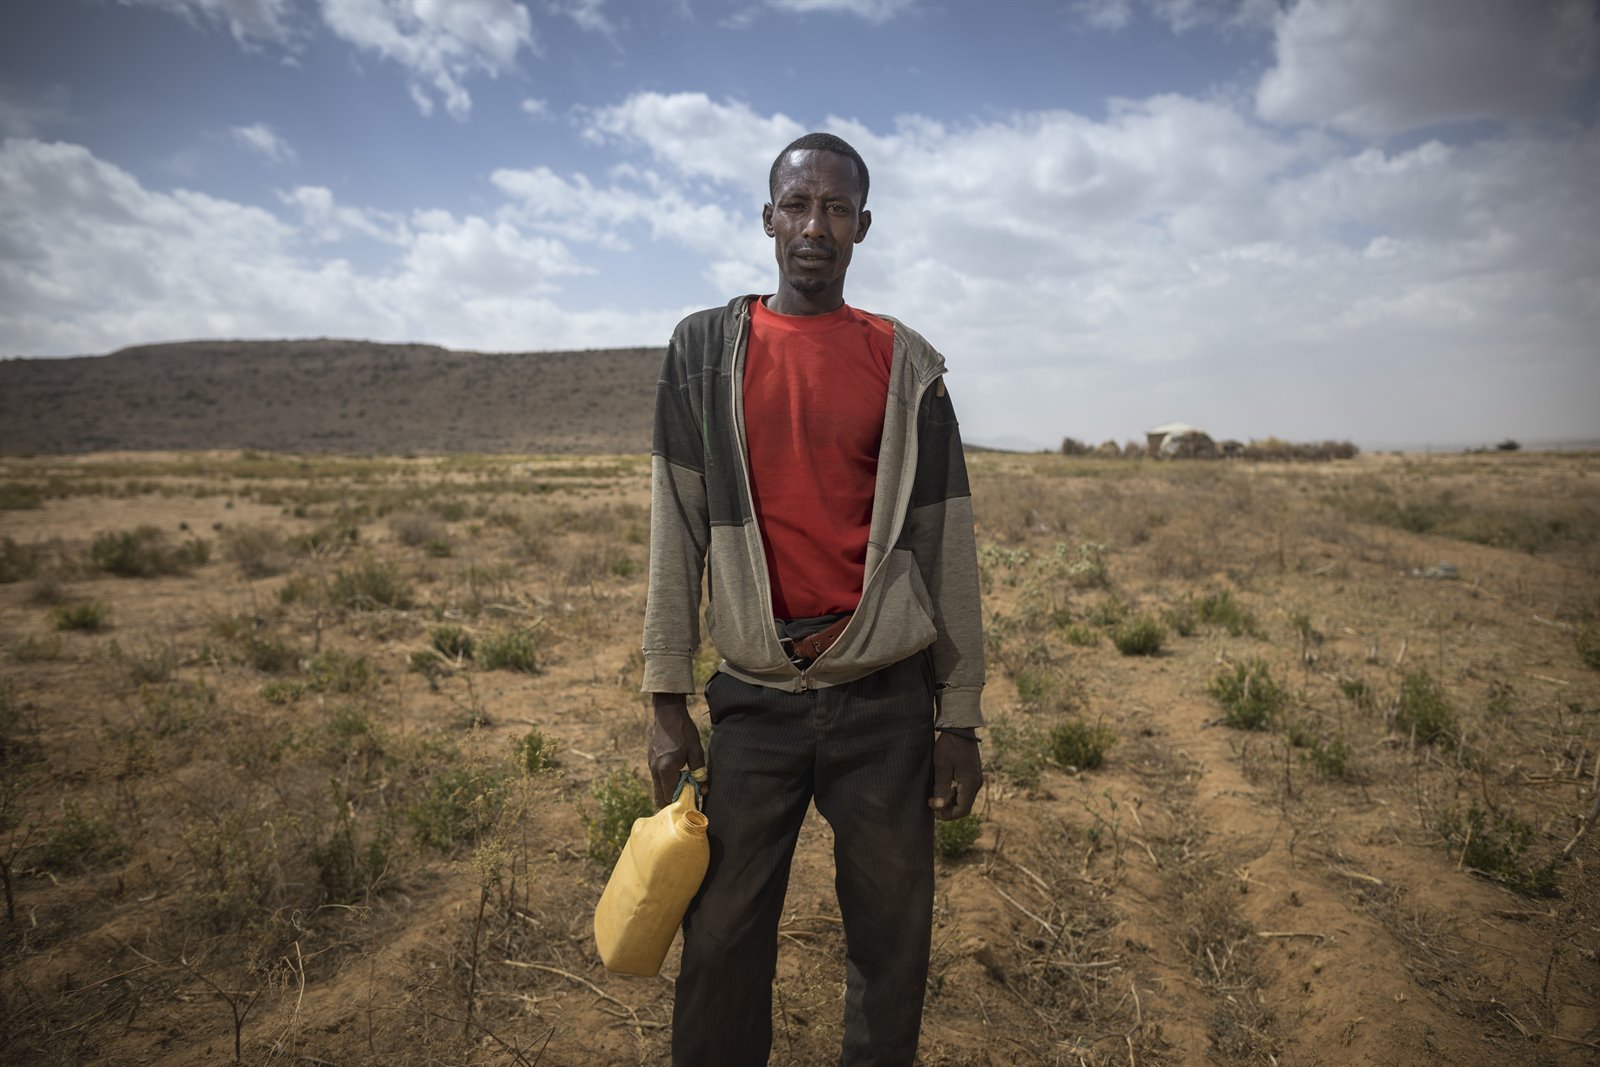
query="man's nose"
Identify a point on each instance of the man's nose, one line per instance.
(816, 222)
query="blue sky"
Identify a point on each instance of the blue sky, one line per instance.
(1367, 220)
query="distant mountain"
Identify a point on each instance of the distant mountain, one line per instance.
(329, 396)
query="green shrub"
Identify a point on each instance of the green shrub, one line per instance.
(1588, 641)
(1181, 619)
(955, 837)
(1221, 609)
(1077, 744)
(283, 691)
(270, 655)
(510, 650)
(1109, 612)
(534, 752)
(143, 553)
(336, 672)
(348, 870)
(1425, 711)
(1249, 697)
(1141, 636)
(35, 648)
(1496, 847)
(414, 529)
(371, 585)
(329, 539)
(1332, 758)
(1088, 566)
(623, 798)
(17, 561)
(80, 615)
(79, 843)
(1080, 635)
(1016, 751)
(457, 806)
(451, 642)
(1357, 690)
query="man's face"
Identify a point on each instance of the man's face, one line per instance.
(814, 220)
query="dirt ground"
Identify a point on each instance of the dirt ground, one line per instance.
(261, 805)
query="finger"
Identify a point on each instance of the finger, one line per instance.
(966, 795)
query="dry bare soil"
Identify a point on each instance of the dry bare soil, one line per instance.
(318, 760)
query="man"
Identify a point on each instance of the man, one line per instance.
(808, 456)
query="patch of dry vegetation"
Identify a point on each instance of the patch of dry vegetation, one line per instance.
(341, 789)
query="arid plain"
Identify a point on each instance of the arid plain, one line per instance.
(316, 758)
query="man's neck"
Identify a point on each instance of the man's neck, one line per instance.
(787, 301)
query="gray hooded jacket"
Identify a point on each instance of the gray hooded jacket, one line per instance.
(920, 587)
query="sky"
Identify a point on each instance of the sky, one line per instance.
(1372, 220)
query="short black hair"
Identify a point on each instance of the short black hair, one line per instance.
(821, 142)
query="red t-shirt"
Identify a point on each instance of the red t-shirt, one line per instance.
(815, 387)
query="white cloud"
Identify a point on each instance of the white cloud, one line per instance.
(259, 137)
(439, 44)
(1181, 16)
(1375, 68)
(536, 107)
(725, 142)
(588, 15)
(1104, 14)
(876, 12)
(324, 220)
(250, 22)
(95, 260)
(1176, 258)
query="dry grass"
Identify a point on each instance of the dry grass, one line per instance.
(287, 805)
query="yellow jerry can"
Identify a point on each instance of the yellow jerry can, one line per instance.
(658, 873)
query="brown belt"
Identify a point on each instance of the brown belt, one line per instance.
(812, 646)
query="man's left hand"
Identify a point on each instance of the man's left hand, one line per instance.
(957, 776)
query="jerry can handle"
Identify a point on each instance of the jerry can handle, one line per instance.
(694, 779)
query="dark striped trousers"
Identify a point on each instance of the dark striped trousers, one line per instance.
(864, 753)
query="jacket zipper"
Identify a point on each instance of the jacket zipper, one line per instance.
(736, 399)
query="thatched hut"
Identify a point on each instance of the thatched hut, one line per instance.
(1178, 440)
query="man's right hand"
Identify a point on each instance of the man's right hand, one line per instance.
(674, 744)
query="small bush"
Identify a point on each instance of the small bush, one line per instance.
(79, 843)
(329, 539)
(143, 553)
(371, 585)
(414, 529)
(451, 642)
(456, 807)
(1080, 635)
(955, 837)
(509, 650)
(1088, 568)
(258, 550)
(1496, 848)
(1017, 752)
(1221, 609)
(87, 615)
(335, 672)
(1109, 612)
(1425, 710)
(623, 798)
(1588, 641)
(1332, 758)
(1181, 619)
(347, 870)
(1077, 744)
(1357, 690)
(270, 655)
(534, 752)
(17, 561)
(1141, 636)
(1249, 697)
(282, 691)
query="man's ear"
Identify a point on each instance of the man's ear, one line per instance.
(863, 223)
(766, 221)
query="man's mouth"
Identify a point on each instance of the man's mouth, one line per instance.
(812, 255)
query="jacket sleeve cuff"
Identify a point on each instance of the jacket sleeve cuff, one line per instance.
(667, 671)
(958, 705)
